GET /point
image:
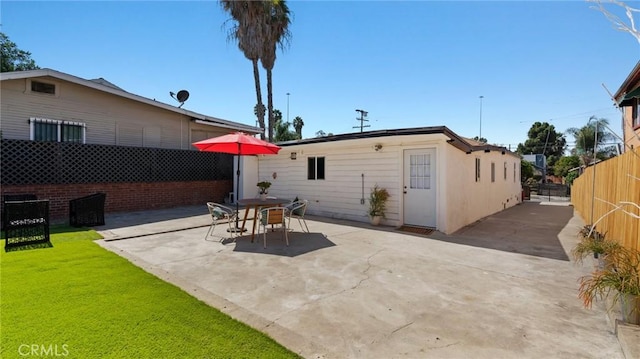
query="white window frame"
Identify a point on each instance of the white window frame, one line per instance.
(315, 163)
(58, 123)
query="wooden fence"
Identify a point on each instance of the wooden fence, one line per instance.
(615, 197)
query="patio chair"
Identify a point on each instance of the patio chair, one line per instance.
(219, 214)
(274, 216)
(297, 210)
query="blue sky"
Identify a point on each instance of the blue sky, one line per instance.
(409, 64)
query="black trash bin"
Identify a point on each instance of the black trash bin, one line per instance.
(87, 211)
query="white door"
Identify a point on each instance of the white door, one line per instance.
(420, 187)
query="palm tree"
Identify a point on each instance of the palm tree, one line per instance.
(586, 140)
(297, 124)
(275, 34)
(248, 31)
(259, 110)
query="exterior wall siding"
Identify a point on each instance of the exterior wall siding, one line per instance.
(339, 194)
(460, 200)
(110, 119)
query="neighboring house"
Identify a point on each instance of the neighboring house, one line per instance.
(64, 137)
(628, 98)
(435, 177)
(47, 105)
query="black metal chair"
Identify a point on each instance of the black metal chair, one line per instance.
(26, 222)
(87, 211)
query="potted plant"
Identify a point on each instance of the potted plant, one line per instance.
(593, 242)
(264, 188)
(620, 278)
(377, 204)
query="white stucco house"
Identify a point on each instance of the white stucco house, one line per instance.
(435, 178)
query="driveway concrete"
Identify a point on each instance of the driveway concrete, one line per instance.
(348, 290)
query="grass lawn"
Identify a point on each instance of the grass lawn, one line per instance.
(81, 300)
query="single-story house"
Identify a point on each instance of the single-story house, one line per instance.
(65, 137)
(628, 98)
(435, 177)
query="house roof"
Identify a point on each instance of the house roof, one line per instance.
(630, 88)
(102, 81)
(461, 143)
(103, 85)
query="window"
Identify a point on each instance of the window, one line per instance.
(477, 170)
(493, 171)
(514, 172)
(420, 171)
(43, 129)
(43, 87)
(635, 120)
(315, 168)
(505, 170)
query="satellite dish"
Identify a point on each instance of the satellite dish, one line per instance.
(182, 96)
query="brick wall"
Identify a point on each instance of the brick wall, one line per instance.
(127, 197)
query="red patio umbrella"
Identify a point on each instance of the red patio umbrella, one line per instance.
(239, 144)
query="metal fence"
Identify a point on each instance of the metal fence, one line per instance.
(32, 163)
(553, 189)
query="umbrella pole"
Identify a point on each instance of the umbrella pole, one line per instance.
(237, 228)
(237, 190)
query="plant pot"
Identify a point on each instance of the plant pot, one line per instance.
(375, 220)
(630, 307)
(263, 196)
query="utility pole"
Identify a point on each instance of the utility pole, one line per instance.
(544, 155)
(362, 119)
(288, 106)
(481, 97)
(595, 162)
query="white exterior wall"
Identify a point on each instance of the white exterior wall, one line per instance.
(248, 176)
(460, 199)
(465, 200)
(340, 194)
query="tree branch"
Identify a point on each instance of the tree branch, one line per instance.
(619, 24)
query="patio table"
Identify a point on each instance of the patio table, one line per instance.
(256, 204)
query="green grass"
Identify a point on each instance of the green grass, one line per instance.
(86, 302)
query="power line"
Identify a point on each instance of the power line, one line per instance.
(362, 119)
(566, 117)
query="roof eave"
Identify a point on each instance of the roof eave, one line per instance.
(631, 81)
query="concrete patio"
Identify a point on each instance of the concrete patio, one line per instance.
(349, 290)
